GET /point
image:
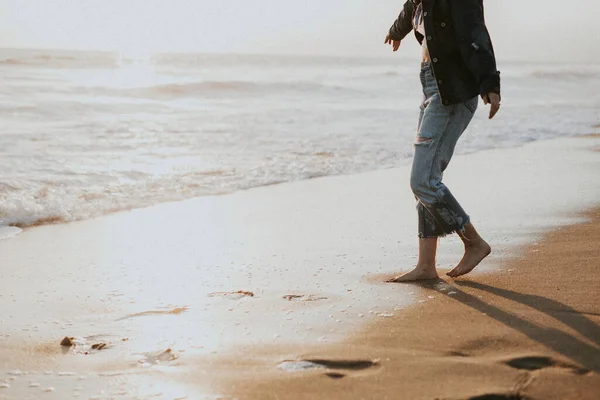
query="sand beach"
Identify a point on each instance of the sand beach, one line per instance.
(220, 297)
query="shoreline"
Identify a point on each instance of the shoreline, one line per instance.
(12, 226)
(167, 277)
(531, 331)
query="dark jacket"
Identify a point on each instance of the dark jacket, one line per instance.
(459, 44)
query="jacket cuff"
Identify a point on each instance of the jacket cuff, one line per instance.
(395, 35)
(490, 84)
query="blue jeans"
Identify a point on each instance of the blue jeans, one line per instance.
(439, 129)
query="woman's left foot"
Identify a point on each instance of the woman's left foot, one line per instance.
(474, 254)
(418, 274)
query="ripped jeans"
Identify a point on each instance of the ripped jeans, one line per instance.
(439, 129)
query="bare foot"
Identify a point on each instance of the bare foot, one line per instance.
(420, 273)
(474, 254)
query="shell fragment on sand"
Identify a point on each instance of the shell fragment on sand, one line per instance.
(240, 294)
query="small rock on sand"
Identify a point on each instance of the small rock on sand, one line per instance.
(68, 342)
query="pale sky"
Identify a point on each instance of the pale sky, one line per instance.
(536, 30)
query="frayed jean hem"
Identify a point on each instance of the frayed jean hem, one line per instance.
(443, 233)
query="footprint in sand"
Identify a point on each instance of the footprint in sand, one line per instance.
(335, 369)
(498, 397)
(531, 363)
(535, 363)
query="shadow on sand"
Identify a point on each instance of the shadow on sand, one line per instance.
(585, 354)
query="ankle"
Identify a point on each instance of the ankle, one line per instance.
(475, 242)
(470, 236)
(425, 266)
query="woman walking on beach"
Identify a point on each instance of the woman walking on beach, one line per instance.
(458, 65)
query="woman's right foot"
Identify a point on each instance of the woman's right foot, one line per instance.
(420, 273)
(475, 252)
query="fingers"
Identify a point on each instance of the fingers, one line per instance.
(394, 43)
(486, 99)
(494, 109)
(494, 100)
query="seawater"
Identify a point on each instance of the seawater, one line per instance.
(88, 133)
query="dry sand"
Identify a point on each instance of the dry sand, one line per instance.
(529, 331)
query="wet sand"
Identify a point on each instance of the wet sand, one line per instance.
(531, 330)
(200, 298)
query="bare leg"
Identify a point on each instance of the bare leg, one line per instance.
(425, 268)
(476, 249)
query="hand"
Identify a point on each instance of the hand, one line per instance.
(394, 43)
(493, 99)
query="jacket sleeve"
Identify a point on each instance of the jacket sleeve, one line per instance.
(403, 25)
(475, 44)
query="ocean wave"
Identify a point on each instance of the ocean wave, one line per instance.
(193, 88)
(12, 61)
(45, 202)
(81, 61)
(40, 59)
(49, 220)
(36, 203)
(171, 90)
